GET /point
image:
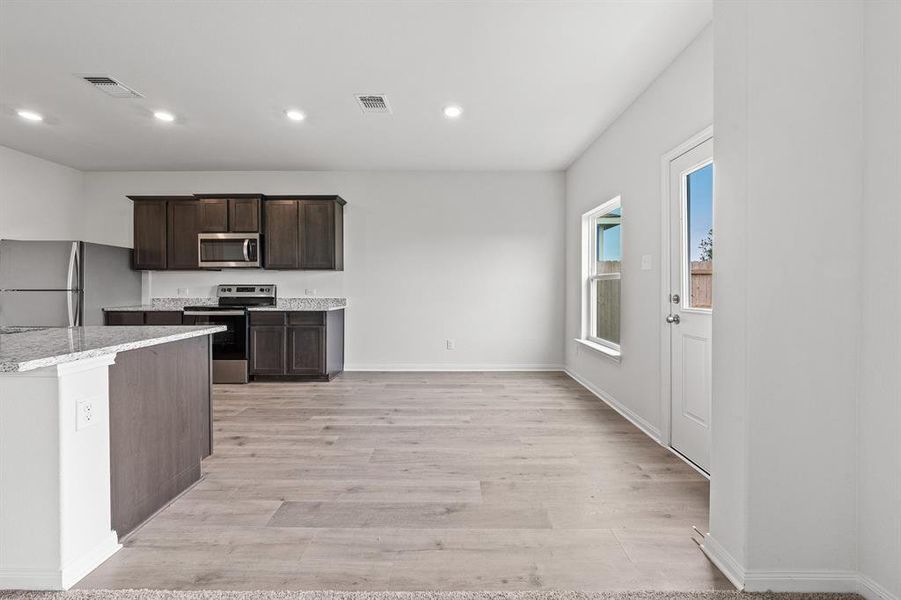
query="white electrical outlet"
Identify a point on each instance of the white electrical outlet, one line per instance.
(451, 344)
(646, 262)
(310, 292)
(183, 292)
(86, 414)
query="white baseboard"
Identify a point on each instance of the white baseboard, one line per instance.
(724, 561)
(60, 579)
(73, 572)
(450, 367)
(629, 414)
(802, 581)
(869, 589)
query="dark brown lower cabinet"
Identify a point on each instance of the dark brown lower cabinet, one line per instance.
(267, 350)
(306, 350)
(123, 317)
(302, 345)
(137, 317)
(160, 426)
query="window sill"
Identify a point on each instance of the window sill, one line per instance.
(614, 355)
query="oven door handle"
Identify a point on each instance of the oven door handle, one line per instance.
(209, 313)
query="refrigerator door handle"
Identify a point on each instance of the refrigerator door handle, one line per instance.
(70, 283)
(69, 298)
(73, 264)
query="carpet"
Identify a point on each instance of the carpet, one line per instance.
(331, 595)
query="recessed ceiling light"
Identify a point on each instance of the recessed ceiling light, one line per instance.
(453, 111)
(30, 115)
(295, 115)
(163, 115)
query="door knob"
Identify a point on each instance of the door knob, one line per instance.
(673, 319)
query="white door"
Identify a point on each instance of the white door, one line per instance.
(691, 305)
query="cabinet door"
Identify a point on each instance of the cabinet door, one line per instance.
(162, 317)
(213, 215)
(281, 234)
(306, 350)
(184, 225)
(123, 317)
(244, 215)
(317, 234)
(267, 350)
(150, 234)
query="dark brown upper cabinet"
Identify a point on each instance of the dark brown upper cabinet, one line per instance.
(304, 232)
(184, 225)
(298, 232)
(280, 234)
(150, 223)
(233, 213)
(213, 215)
(244, 215)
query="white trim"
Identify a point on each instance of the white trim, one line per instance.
(73, 572)
(871, 590)
(450, 367)
(589, 245)
(611, 353)
(665, 265)
(802, 581)
(61, 579)
(627, 413)
(792, 581)
(724, 561)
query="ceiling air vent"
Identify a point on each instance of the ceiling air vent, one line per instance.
(373, 103)
(111, 87)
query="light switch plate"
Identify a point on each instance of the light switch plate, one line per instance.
(646, 262)
(451, 344)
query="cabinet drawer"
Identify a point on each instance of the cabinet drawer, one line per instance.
(124, 317)
(306, 318)
(162, 317)
(267, 318)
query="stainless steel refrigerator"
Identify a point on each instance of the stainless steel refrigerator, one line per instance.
(59, 284)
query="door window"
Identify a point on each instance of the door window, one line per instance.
(698, 236)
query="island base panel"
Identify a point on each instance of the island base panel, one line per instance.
(160, 427)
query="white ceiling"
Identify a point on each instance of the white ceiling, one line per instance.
(537, 80)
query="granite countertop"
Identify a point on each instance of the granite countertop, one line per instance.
(305, 303)
(25, 349)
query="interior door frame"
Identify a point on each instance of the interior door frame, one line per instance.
(666, 397)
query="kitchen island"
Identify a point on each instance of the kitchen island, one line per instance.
(99, 428)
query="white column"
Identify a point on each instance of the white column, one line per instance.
(788, 97)
(55, 474)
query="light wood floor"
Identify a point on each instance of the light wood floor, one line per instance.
(409, 481)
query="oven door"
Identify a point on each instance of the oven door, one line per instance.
(230, 344)
(220, 250)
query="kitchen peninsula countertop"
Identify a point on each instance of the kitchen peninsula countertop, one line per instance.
(25, 348)
(305, 303)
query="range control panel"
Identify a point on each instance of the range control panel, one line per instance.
(231, 290)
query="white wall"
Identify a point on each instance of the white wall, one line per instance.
(473, 257)
(39, 199)
(806, 474)
(625, 160)
(879, 416)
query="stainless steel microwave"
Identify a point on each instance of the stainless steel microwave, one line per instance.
(218, 250)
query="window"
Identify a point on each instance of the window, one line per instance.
(698, 191)
(603, 275)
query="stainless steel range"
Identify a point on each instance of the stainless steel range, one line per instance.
(230, 347)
